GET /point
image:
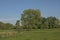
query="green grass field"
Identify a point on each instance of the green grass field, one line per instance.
(46, 34)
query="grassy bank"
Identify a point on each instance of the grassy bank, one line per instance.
(46, 34)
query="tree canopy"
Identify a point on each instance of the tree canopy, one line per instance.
(32, 19)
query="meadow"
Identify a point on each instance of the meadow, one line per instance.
(36, 34)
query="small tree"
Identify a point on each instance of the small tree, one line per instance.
(17, 25)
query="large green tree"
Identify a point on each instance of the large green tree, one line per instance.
(31, 18)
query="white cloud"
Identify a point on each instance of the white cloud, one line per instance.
(9, 20)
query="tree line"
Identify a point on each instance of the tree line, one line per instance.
(32, 19)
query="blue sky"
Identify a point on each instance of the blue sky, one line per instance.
(11, 10)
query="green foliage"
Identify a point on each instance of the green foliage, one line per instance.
(2, 25)
(31, 18)
(17, 24)
(6, 25)
(44, 24)
(9, 26)
(53, 22)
